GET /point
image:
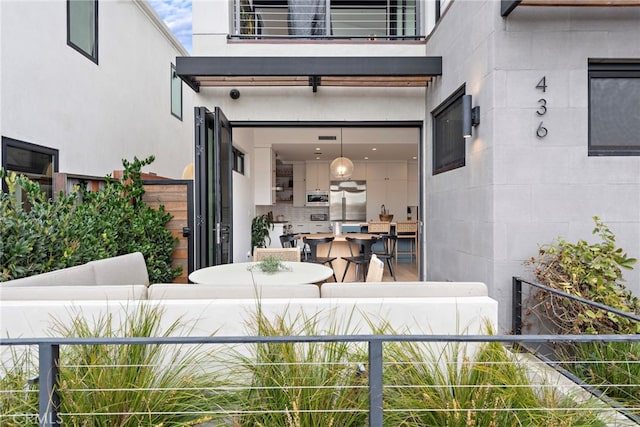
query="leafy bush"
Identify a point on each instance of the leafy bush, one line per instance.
(591, 271)
(57, 234)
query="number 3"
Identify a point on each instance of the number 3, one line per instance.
(543, 107)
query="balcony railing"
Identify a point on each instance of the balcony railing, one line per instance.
(448, 372)
(327, 19)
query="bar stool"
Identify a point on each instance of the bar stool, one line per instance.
(312, 256)
(362, 259)
(407, 230)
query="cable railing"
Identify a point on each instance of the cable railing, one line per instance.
(380, 380)
(610, 371)
(327, 20)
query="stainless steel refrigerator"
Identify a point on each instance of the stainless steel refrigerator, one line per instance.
(348, 201)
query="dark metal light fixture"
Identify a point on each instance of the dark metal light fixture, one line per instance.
(341, 167)
(470, 116)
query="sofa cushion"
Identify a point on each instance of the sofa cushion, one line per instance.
(129, 269)
(164, 291)
(72, 276)
(403, 289)
(73, 293)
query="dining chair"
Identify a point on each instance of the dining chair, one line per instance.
(288, 241)
(312, 255)
(285, 254)
(376, 269)
(361, 259)
(388, 253)
(407, 230)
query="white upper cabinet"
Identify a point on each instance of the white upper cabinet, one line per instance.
(387, 185)
(299, 186)
(359, 171)
(412, 184)
(264, 172)
(317, 175)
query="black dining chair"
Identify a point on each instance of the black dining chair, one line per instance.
(312, 255)
(288, 241)
(388, 252)
(362, 259)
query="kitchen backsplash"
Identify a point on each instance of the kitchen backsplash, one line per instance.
(292, 214)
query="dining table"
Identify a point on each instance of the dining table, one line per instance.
(340, 249)
(249, 273)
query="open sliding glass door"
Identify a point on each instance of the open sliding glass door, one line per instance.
(213, 187)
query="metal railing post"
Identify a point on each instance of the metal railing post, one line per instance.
(375, 383)
(49, 401)
(516, 305)
(327, 18)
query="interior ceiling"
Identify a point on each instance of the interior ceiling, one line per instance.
(299, 144)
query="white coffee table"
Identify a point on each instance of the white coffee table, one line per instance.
(245, 273)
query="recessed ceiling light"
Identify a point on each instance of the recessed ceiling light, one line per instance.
(317, 148)
(366, 157)
(374, 149)
(414, 157)
(317, 158)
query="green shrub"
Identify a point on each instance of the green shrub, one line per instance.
(591, 271)
(49, 235)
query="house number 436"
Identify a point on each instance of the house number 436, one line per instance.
(542, 131)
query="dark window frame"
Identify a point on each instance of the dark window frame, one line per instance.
(238, 161)
(175, 77)
(453, 101)
(91, 56)
(610, 70)
(28, 146)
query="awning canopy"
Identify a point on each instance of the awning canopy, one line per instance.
(509, 5)
(380, 71)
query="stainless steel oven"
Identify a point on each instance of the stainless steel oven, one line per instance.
(317, 198)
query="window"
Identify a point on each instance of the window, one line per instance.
(614, 109)
(34, 161)
(82, 27)
(176, 93)
(448, 143)
(238, 161)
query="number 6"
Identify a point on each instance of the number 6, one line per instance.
(542, 131)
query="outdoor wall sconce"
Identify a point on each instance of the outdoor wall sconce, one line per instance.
(470, 116)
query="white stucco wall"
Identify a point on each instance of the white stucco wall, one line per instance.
(518, 191)
(96, 115)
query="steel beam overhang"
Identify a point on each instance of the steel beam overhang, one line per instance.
(381, 71)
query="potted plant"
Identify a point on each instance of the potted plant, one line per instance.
(260, 227)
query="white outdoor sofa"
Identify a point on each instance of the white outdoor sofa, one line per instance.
(119, 285)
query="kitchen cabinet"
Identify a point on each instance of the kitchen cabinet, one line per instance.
(299, 186)
(387, 185)
(413, 187)
(264, 176)
(317, 175)
(284, 182)
(359, 171)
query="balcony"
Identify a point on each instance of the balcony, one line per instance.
(327, 19)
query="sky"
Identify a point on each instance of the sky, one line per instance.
(177, 15)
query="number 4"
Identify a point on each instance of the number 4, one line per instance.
(542, 84)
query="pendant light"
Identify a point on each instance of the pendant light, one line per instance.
(341, 167)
